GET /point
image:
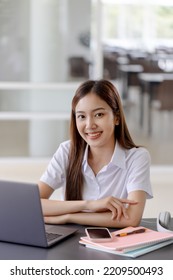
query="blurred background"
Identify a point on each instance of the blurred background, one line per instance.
(48, 47)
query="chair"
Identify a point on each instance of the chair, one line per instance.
(163, 102)
(110, 66)
(165, 95)
(78, 67)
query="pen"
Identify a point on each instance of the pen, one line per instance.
(131, 232)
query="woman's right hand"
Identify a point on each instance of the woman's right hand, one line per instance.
(117, 206)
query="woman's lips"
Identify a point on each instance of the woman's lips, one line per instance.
(94, 135)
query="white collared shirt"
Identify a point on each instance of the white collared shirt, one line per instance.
(128, 170)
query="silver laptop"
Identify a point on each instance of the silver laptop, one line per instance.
(21, 218)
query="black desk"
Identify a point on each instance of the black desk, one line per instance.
(149, 82)
(70, 249)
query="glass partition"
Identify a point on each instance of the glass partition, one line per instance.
(48, 47)
(41, 41)
(34, 121)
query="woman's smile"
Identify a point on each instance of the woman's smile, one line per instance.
(94, 135)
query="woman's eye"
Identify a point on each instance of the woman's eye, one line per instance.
(81, 117)
(98, 115)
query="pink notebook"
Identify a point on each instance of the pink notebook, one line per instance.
(133, 241)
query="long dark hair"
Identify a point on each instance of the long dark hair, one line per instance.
(108, 92)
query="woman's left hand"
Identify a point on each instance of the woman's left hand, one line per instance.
(116, 205)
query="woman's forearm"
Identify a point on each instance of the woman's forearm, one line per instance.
(132, 218)
(58, 207)
(114, 205)
(100, 211)
(91, 219)
(103, 219)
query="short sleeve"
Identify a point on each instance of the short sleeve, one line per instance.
(55, 174)
(139, 173)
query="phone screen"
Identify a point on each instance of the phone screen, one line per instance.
(98, 233)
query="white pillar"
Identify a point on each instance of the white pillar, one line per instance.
(47, 64)
(97, 50)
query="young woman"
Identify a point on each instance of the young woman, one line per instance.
(105, 177)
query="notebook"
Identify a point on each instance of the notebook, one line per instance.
(131, 245)
(133, 253)
(21, 218)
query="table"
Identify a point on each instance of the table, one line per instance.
(126, 70)
(149, 82)
(70, 249)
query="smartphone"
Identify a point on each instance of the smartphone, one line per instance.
(98, 234)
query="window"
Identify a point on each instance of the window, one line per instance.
(133, 25)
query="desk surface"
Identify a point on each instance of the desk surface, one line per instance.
(155, 77)
(130, 68)
(70, 249)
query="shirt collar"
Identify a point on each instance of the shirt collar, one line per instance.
(118, 157)
(85, 158)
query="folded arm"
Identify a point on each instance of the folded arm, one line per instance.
(109, 212)
(132, 218)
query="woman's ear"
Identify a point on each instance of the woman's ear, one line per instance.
(117, 120)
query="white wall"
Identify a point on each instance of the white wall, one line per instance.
(162, 184)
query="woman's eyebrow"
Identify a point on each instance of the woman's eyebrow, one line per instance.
(97, 109)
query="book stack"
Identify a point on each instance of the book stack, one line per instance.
(131, 245)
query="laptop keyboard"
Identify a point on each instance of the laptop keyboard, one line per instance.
(51, 236)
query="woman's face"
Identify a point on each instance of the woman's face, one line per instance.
(95, 121)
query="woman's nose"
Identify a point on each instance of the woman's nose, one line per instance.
(90, 123)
